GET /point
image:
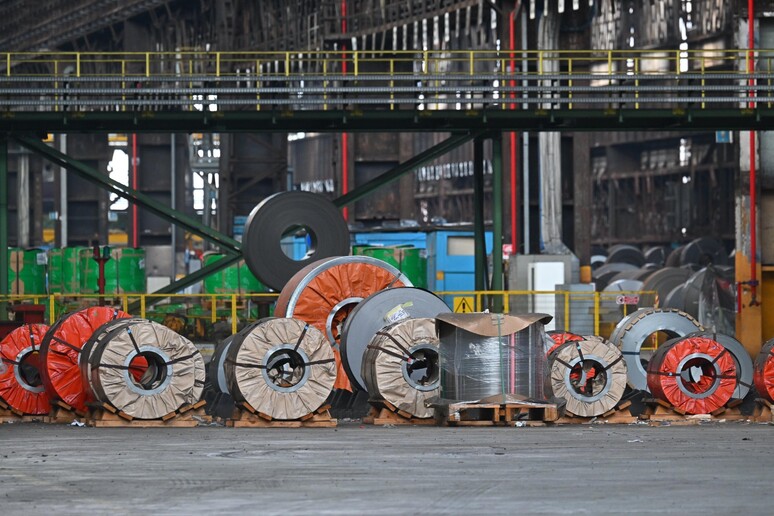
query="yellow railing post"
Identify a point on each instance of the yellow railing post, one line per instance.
(569, 82)
(567, 311)
(355, 55)
(142, 306)
(596, 313)
(78, 64)
(147, 64)
(8, 64)
(636, 82)
(123, 85)
(287, 64)
(233, 314)
(56, 84)
(392, 84)
(125, 302)
(214, 310)
(51, 309)
(217, 64)
(325, 84)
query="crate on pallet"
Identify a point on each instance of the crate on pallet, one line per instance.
(496, 411)
(245, 416)
(105, 415)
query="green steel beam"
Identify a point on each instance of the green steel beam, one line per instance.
(160, 209)
(404, 120)
(407, 166)
(497, 220)
(3, 222)
(187, 281)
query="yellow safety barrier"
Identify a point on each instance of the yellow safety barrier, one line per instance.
(195, 314)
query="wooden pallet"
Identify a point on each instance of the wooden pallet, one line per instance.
(9, 414)
(619, 415)
(245, 416)
(103, 415)
(763, 412)
(62, 413)
(385, 413)
(496, 414)
(658, 412)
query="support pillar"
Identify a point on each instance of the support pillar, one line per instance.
(497, 220)
(3, 222)
(582, 199)
(478, 214)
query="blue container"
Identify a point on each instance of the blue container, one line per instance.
(451, 262)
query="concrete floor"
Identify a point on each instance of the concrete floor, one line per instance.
(712, 469)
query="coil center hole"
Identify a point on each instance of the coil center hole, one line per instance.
(148, 370)
(698, 375)
(298, 242)
(588, 377)
(285, 368)
(423, 369)
(29, 369)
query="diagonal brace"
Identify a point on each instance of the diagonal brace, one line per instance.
(160, 209)
(407, 166)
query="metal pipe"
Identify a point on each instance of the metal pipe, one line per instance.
(23, 201)
(513, 141)
(525, 136)
(173, 198)
(497, 220)
(63, 230)
(478, 213)
(344, 136)
(753, 178)
(135, 159)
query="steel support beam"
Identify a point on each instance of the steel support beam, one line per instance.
(3, 222)
(497, 220)
(407, 166)
(225, 242)
(478, 214)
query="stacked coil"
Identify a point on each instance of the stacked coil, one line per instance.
(401, 366)
(283, 368)
(764, 371)
(694, 374)
(20, 363)
(142, 368)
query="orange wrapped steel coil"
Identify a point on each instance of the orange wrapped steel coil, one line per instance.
(20, 384)
(324, 293)
(695, 374)
(560, 337)
(763, 377)
(61, 352)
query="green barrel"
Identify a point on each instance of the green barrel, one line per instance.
(124, 272)
(27, 271)
(390, 255)
(234, 279)
(413, 264)
(131, 269)
(55, 274)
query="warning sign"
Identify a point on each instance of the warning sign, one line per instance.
(464, 305)
(627, 300)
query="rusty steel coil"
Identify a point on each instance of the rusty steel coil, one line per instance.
(589, 374)
(695, 374)
(325, 292)
(284, 213)
(20, 384)
(173, 369)
(401, 366)
(61, 352)
(764, 371)
(284, 368)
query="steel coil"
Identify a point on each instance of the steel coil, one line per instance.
(20, 384)
(376, 311)
(324, 293)
(764, 371)
(284, 368)
(694, 374)
(623, 253)
(663, 281)
(61, 352)
(560, 337)
(173, 377)
(401, 366)
(285, 212)
(745, 369)
(589, 374)
(630, 334)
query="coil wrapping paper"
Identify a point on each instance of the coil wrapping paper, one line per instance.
(61, 352)
(484, 355)
(632, 331)
(180, 367)
(764, 371)
(248, 368)
(325, 292)
(589, 374)
(268, 222)
(389, 358)
(21, 349)
(375, 312)
(671, 368)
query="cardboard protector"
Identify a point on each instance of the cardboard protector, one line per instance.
(284, 368)
(493, 325)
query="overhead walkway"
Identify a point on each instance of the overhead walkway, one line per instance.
(380, 91)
